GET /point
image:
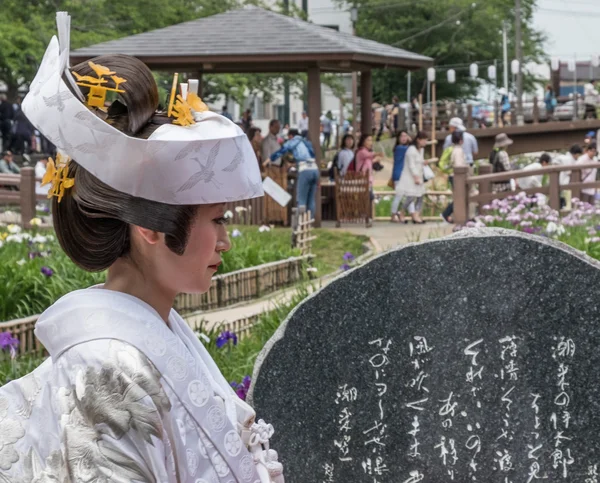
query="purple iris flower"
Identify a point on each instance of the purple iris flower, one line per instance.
(8, 342)
(345, 267)
(348, 257)
(225, 337)
(242, 388)
(47, 271)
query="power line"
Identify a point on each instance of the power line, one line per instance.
(430, 29)
(569, 13)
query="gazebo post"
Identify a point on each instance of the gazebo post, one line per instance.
(314, 124)
(366, 102)
(200, 84)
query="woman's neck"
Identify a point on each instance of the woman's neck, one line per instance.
(125, 276)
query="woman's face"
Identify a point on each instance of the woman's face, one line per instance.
(422, 143)
(192, 272)
(369, 142)
(403, 138)
(257, 137)
(349, 143)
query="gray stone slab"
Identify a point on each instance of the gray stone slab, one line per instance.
(470, 358)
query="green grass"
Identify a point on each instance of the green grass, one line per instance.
(430, 207)
(235, 362)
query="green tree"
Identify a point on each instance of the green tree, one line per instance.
(452, 32)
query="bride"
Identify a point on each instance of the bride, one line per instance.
(128, 392)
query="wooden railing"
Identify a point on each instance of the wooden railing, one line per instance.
(26, 196)
(247, 284)
(22, 329)
(485, 181)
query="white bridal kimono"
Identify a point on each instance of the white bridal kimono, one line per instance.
(123, 398)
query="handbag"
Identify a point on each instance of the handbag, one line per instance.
(428, 173)
(391, 183)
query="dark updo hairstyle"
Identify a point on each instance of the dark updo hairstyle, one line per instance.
(92, 222)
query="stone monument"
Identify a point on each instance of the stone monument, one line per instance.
(473, 358)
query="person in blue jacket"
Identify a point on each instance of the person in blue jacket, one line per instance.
(308, 170)
(402, 143)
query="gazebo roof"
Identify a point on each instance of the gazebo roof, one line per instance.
(253, 39)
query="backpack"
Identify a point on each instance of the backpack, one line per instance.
(334, 166)
(498, 167)
(445, 162)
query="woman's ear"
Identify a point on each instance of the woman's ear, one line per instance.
(149, 236)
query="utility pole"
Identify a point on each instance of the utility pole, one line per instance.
(286, 81)
(354, 18)
(505, 56)
(519, 52)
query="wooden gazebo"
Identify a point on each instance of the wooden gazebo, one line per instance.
(253, 39)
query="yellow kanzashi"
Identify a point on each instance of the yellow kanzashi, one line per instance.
(182, 112)
(97, 94)
(196, 103)
(57, 174)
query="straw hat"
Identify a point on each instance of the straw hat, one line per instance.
(502, 141)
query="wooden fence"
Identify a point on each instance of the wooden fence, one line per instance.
(247, 284)
(302, 223)
(241, 327)
(463, 183)
(26, 196)
(352, 199)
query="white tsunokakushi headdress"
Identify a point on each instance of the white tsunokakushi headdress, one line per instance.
(206, 160)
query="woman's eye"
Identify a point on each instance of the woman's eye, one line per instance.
(222, 220)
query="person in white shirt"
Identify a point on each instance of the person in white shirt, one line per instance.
(536, 180)
(303, 125)
(469, 145)
(567, 159)
(588, 175)
(591, 99)
(40, 171)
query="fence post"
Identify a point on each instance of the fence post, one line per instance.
(294, 225)
(402, 121)
(27, 188)
(575, 178)
(554, 191)
(496, 113)
(460, 195)
(470, 116)
(513, 113)
(536, 111)
(485, 187)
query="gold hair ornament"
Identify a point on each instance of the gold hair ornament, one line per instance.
(97, 94)
(183, 106)
(57, 174)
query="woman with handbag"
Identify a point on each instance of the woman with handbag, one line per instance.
(412, 183)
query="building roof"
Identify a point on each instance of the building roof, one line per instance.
(253, 39)
(584, 70)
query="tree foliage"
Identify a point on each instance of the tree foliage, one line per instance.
(26, 27)
(452, 32)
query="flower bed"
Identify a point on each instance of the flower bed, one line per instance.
(579, 229)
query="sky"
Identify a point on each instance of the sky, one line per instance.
(572, 27)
